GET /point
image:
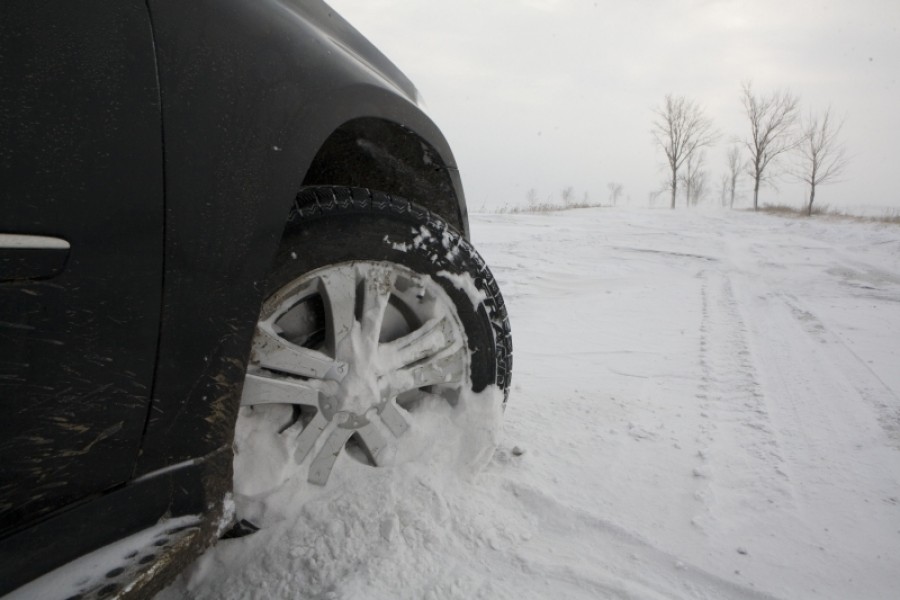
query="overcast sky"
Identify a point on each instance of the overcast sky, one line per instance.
(546, 94)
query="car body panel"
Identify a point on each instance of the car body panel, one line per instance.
(237, 104)
(79, 324)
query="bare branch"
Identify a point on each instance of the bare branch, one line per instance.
(681, 129)
(773, 121)
(694, 179)
(723, 189)
(821, 157)
(615, 191)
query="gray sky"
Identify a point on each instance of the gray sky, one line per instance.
(551, 93)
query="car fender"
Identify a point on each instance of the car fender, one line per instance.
(250, 92)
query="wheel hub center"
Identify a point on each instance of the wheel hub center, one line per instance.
(357, 395)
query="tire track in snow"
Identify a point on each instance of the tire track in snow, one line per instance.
(579, 555)
(866, 382)
(739, 447)
(820, 399)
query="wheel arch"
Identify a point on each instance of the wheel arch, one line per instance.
(376, 153)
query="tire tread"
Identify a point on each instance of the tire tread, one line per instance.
(452, 251)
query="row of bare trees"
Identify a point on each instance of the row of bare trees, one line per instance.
(567, 196)
(777, 131)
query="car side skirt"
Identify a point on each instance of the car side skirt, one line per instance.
(194, 488)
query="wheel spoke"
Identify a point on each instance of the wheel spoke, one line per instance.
(442, 369)
(394, 419)
(321, 466)
(428, 340)
(339, 295)
(259, 389)
(308, 437)
(277, 354)
(373, 440)
(377, 292)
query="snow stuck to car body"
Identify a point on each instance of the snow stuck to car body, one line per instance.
(705, 405)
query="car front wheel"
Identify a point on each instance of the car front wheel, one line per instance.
(375, 309)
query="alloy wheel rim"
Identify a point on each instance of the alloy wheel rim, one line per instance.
(352, 348)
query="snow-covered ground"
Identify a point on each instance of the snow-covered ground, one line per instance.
(704, 405)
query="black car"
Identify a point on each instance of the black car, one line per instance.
(212, 213)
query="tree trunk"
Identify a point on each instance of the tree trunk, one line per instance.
(812, 196)
(732, 198)
(674, 189)
(756, 195)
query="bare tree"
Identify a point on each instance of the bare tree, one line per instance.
(615, 191)
(681, 129)
(532, 198)
(568, 195)
(772, 122)
(694, 179)
(698, 187)
(734, 163)
(821, 156)
(723, 189)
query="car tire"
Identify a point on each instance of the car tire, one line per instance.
(374, 308)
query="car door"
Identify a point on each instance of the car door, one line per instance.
(81, 240)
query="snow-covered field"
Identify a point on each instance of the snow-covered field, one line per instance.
(704, 405)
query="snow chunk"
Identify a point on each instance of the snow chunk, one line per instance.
(398, 246)
(466, 284)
